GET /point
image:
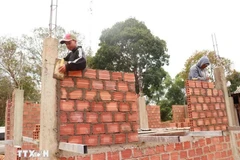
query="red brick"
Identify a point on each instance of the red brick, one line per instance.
(83, 83)
(122, 86)
(83, 105)
(186, 145)
(75, 74)
(91, 140)
(63, 93)
(133, 116)
(199, 107)
(195, 115)
(134, 106)
(199, 84)
(124, 107)
(120, 138)
(83, 128)
(201, 99)
(192, 99)
(77, 94)
(90, 73)
(97, 84)
(213, 100)
(135, 126)
(129, 77)
(97, 106)
(105, 95)
(132, 137)
(127, 153)
(118, 96)
(197, 91)
(125, 127)
(218, 99)
(98, 156)
(110, 85)
(120, 117)
(63, 117)
(106, 139)
(67, 105)
(131, 96)
(76, 117)
(203, 92)
(191, 153)
(113, 155)
(112, 127)
(98, 128)
(67, 82)
(112, 106)
(131, 87)
(103, 74)
(117, 76)
(213, 121)
(90, 95)
(222, 106)
(106, 117)
(165, 156)
(200, 122)
(206, 121)
(91, 117)
(183, 154)
(191, 83)
(75, 139)
(84, 158)
(67, 129)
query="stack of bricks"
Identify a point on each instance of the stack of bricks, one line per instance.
(154, 116)
(31, 117)
(36, 132)
(8, 120)
(206, 106)
(98, 107)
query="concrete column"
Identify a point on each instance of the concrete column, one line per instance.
(18, 116)
(143, 114)
(48, 116)
(220, 82)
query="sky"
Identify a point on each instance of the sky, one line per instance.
(186, 25)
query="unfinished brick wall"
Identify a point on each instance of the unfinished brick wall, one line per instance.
(8, 128)
(206, 107)
(31, 117)
(179, 113)
(98, 107)
(201, 149)
(154, 116)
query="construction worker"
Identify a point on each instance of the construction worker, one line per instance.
(75, 59)
(197, 71)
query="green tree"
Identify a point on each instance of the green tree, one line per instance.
(234, 78)
(129, 46)
(175, 95)
(214, 60)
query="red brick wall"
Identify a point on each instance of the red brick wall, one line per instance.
(154, 116)
(31, 117)
(202, 149)
(206, 106)
(178, 112)
(8, 128)
(98, 107)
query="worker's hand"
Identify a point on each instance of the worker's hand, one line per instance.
(62, 69)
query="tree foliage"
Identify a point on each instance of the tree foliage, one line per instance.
(129, 46)
(234, 78)
(214, 60)
(175, 95)
(20, 64)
